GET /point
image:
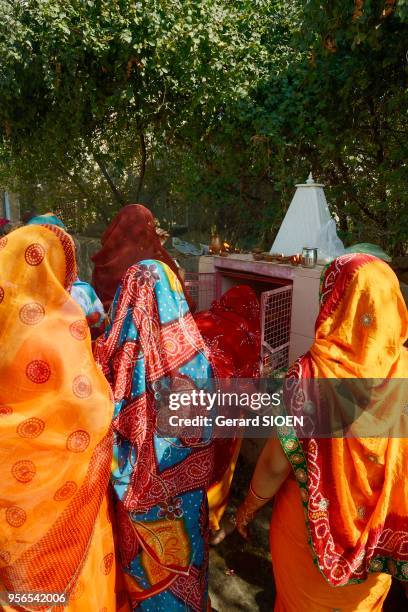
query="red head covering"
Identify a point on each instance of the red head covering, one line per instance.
(129, 238)
(231, 330)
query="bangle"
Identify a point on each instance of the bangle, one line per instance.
(258, 496)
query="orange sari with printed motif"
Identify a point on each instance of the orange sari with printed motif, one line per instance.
(56, 438)
(353, 488)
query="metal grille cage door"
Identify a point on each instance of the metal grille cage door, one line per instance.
(201, 287)
(276, 307)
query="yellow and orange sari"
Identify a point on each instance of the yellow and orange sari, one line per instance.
(56, 438)
(353, 488)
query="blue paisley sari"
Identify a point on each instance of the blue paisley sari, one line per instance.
(152, 348)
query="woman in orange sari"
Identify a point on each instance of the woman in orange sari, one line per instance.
(56, 443)
(341, 510)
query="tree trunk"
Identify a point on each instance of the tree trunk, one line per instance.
(143, 160)
(343, 221)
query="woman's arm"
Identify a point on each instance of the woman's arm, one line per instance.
(270, 473)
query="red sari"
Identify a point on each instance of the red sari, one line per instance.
(231, 331)
(129, 238)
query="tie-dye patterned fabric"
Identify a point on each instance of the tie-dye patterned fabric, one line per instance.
(47, 219)
(82, 292)
(151, 349)
(84, 295)
(56, 439)
(130, 237)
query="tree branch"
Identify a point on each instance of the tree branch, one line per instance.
(349, 189)
(75, 180)
(119, 197)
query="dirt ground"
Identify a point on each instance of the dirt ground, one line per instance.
(241, 577)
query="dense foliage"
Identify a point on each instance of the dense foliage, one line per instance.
(208, 111)
(89, 89)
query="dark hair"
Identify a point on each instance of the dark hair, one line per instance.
(5, 228)
(28, 215)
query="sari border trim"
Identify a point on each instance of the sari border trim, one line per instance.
(379, 563)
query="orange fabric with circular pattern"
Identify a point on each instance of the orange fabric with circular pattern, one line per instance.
(56, 442)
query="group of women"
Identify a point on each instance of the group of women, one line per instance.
(95, 505)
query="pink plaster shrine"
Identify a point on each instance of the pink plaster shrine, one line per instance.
(289, 301)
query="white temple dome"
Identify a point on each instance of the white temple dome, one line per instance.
(307, 215)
